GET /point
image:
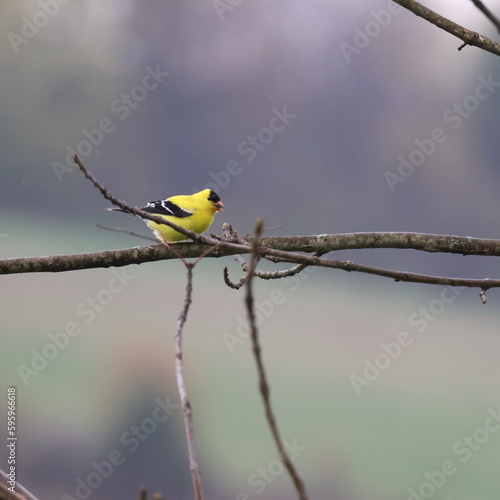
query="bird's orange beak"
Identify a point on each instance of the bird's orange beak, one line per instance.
(218, 206)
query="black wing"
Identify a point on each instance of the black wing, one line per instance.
(165, 207)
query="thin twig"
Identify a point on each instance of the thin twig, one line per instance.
(487, 12)
(186, 405)
(125, 231)
(212, 250)
(232, 284)
(246, 269)
(467, 36)
(264, 275)
(231, 235)
(143, 493)
(283, 273)
(131, 209)
(19, 493)
(263, 385)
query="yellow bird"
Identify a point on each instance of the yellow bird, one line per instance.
(194, 212)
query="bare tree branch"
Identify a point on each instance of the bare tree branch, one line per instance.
(467, 36)
(321, 244)
(231, 235)
(263, 385)
(487, 12)
(263, 275)
(282, 249)
(350, 266)
(186, 405)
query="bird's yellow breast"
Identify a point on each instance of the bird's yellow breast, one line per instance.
(199, 222)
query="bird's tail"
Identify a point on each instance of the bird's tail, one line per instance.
(115, 209)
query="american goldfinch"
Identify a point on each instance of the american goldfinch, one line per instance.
(194, 212)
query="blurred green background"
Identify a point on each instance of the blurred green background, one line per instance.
(359, 102)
